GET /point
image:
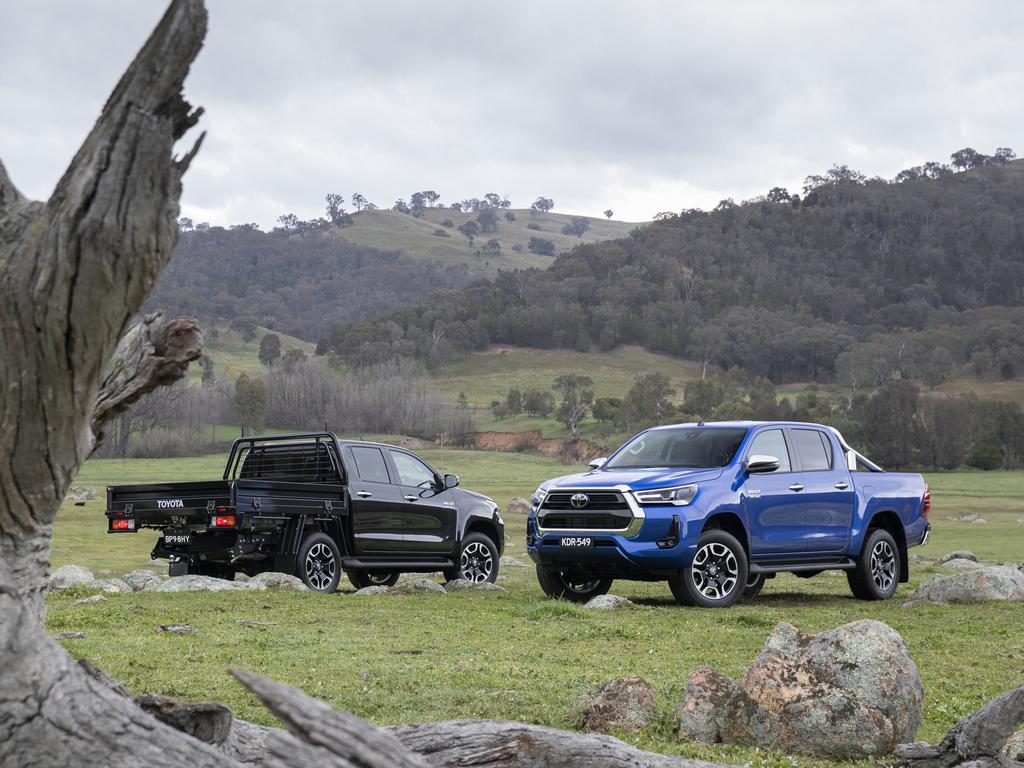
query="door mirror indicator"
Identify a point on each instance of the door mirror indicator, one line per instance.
(598, 463)
(451, 481)
(760, 463)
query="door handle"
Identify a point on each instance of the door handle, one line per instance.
(364, 494)
(796, 487)
(841, 485)
(412, 498)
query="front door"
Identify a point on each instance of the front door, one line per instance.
(774, 500)
(429, 513)
(377, 504)
(828, 492)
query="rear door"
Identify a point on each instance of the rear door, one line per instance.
(376, 503)
(828, 493)
(429, 513)
(773, 500)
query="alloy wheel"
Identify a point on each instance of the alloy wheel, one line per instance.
(883, 566)
(477, 562)
(715, 571)
(320, 567)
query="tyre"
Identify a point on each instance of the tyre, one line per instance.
(319, 562)
(478, 561)
(755, 581)
(578, 588)
(360, 579)
(878, 567)
(717, 578)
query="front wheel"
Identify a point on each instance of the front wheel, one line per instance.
(717, 577)
(878, 567)
(478, 561)
(360, 579)
(319, 563)
(578, 588)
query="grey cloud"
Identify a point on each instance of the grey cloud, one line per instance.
(637, 106)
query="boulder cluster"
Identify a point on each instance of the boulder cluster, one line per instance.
(143, 580)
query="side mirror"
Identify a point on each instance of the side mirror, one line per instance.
(451, 481)
(759, 464)
(598, 463)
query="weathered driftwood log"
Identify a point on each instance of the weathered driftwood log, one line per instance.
(978, 740)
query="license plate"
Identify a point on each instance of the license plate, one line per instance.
(179, 539)
(577, 541)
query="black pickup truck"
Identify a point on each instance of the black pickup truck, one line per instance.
(315, 506)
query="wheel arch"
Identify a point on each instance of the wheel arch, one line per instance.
(486, 527)
(732, 524)
(888, 520)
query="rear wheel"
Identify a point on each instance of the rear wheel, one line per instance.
(569, 585)
(717, 577)
(319, 563)
(360, 579)
(878, 567)
(755, 582)
(478, 561)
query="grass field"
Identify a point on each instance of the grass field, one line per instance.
(233, 357)
(517, 655)
(415, 237)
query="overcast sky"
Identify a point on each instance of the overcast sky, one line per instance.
(636, 106)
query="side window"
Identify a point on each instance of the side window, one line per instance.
(370, 465)
(412, 471)
(771, 442)
(814, 449)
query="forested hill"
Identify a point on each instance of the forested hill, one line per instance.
(856, 280)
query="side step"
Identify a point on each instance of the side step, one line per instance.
(413, 566)
(846, 564)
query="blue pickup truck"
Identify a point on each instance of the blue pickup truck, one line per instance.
(717, 508)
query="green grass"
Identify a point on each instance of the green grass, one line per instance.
(414, 237)
(518, 655)
(489, 375)
(233, 357)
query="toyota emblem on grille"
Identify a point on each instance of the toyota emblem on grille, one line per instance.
(579, 500)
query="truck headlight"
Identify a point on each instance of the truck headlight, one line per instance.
(538, 496)
(680, 496)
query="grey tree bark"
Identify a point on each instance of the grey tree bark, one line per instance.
(73, 272)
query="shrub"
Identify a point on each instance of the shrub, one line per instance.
(985, 456)
(534, 227)
(440, 233)
(541, 246)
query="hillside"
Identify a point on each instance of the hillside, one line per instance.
(418, 238)
(232, 356)
(857, 282)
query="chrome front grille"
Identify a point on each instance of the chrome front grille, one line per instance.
(597, 510)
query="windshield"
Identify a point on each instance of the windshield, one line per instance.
(679, 447)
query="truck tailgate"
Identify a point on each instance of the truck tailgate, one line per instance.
(160, 505)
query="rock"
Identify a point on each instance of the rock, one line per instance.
(195, 583)
(507, 561)
(205, 720)
(960, 554)
(609, 602)
(963, 565)
(1014, 749)
(967, 518)
(274, 580)
(70, 576)
(973, 586)
(139, 578)
(418, 585)
(979, 521)
(176, 629)
(518, 506)
(1020, 519)
(81, 493)
(242, 577)
(625, 703)
(374, 590)
(69, 636)
(88, 600)
(851, 692)
(458, 584)
(111, 586)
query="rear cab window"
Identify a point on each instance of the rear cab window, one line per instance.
(814, 449)
(370, 464)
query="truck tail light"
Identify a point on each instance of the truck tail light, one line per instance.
(926, 502)
(122, 524)
(224, 521)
